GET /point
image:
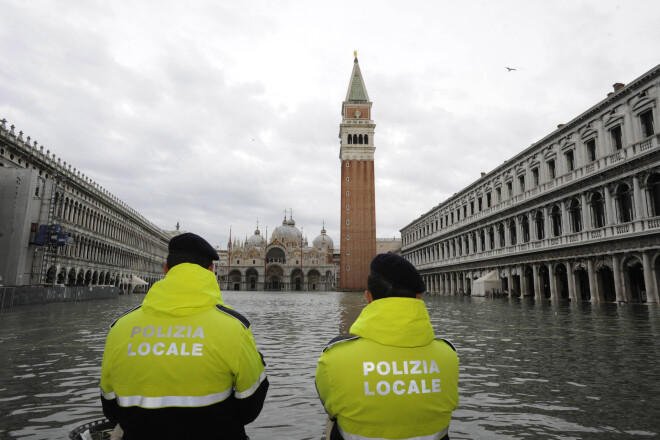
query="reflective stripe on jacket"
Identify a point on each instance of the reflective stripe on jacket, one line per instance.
(183, 349)
(392, 379)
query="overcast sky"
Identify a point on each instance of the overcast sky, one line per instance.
(216, 113)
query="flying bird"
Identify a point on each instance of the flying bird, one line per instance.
(509, 68)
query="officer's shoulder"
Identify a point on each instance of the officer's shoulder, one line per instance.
(124, 314)
(234, 314)
(340, 339)
(446, 342)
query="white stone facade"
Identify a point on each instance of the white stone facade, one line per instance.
(286, 263)
(110, 243)
(574, 216)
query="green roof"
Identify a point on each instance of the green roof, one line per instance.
(357, 89)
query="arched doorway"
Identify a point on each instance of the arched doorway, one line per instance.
(251, 279)
(562, 281)
(296, 279)
(72, 277)
(274, 278)
(528, 279)
(582, 283)
(314, 280)
(634, 273)
(605, 279)
(234, 282)
(544, 274)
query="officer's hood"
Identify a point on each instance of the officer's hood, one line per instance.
(399, 322)
(186, 290)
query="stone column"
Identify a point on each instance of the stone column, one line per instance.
(509, 281)
(570, 274)
(565, 221)
(523, 284)
(547, 222)
(618, 278)
(553, 282)
(609, 207)
(594, 291)
(651, 291)
(586, 218)
(537, 282)
(638, 199)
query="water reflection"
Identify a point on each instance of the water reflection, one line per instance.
(528, 370)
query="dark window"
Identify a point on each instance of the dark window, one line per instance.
(617, 138)
(521, 181)
(525, 229)
(360, 139)
(555, 216)
(366, 138)
(512, 232)
(464, 211)
(647, 123)
(624, 203)
(570, 161)
(488, 200)
(575, 215)
(350, 139)
(480, 203)
(591, 150)
(551, 169)
(509, 189)
(654, 194)
(472, 207)
(535, 177)
(540, 226)
(598, 210)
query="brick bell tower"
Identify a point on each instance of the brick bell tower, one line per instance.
(358, 195)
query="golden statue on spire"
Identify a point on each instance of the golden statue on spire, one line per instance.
(355, 53)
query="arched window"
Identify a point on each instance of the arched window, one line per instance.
(360, 139)
(555, 216)
(575, 215)
(366, 139)
(624, 204)
(512, 233)
(350, 139)
(540, 225)
(355, 139)
(653, 185)
(525, 229)
(482, 237)
(597, 210)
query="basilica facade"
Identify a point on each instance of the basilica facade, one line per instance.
(575, 216)
(285, 261)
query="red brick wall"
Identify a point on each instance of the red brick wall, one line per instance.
(358, 237)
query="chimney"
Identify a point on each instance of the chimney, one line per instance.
(483, 174)
(618, 86)
(560, 125)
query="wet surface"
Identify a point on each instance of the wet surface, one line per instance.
(528, 370)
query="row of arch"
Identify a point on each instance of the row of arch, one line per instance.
(625, 278)
(358, 139)
(608, 205)
(277, 279)
(77, 276)
(81, 215)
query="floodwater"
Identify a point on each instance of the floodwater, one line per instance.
(528, 370)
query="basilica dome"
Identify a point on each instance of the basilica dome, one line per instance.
(323, 241)
(256, 240)
(286, 233)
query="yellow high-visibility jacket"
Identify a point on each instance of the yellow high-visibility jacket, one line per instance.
(182, 364)
(391, 378)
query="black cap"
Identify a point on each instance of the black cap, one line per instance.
(190, 243)
(397, 271)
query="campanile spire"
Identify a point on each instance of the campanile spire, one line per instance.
(358, 196)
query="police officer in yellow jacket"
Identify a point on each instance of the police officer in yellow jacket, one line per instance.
(390, 378)
(183, 365)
